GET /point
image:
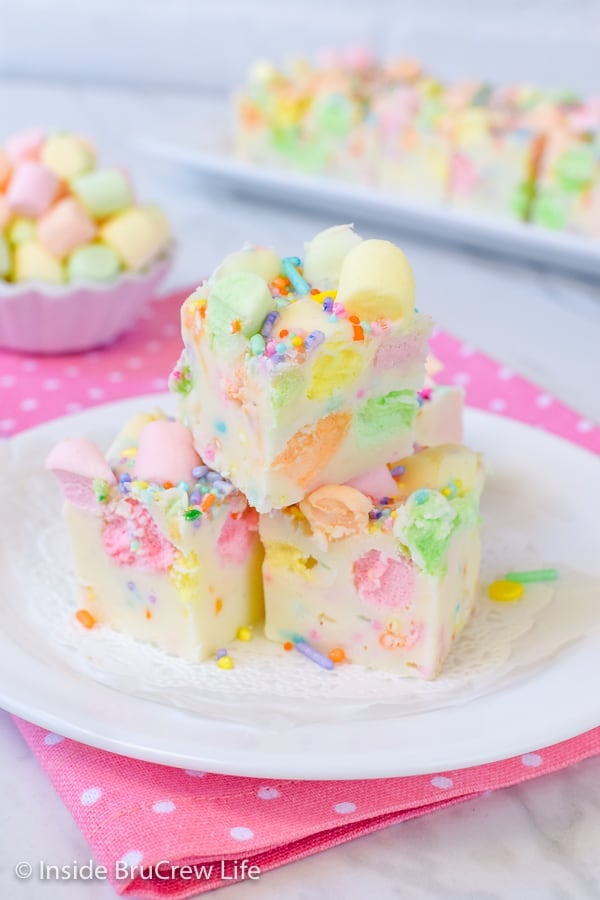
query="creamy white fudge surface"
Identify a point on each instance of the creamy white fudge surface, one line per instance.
(298, 375)
(164, 549)
(387, 581)
(440, 416)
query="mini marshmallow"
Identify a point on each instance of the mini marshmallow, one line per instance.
(65, 227)
(103, 193)
(4, 257)
(32, 189)
(5, 169)
(165, 453)
(68, 156)
(137, 236)
(94, 262)
(32, 262)
(25, 145)
(21, 230)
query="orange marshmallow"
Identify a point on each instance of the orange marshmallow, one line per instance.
(65, 227)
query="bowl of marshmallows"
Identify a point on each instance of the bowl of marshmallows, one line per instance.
(79, 257)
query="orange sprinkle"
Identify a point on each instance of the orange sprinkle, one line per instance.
(167, 485)
(281, 282)
(284, 332)
(236, 326)
(354, 319)
(315, 291)
(207, 502)
(357, 333)
(85, 618)
(218, 605)
(148, 614)
(288, 645)
(337, 655)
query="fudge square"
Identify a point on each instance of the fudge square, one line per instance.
(165, 549)
(294, 376)
(382, 572)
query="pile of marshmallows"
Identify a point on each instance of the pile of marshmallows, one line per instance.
(62, 220)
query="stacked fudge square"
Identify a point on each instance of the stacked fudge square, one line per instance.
(310, 467)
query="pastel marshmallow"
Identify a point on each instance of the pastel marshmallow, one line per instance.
(165, 453)
(93, 262)
(68, 156)
(32, 189)
(32, 262)
(138, 236)
(177, 566)
(25, 145)
(21, 230)
(65, 227)
(103, 193)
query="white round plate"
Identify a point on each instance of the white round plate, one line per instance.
(550, 488)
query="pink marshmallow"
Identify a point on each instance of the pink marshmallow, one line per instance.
(65, 227)
(377, 483)
(32, 189)
(165, 453)
(77, 464)
(25, 145)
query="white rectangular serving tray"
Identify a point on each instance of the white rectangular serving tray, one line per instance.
(342, 200)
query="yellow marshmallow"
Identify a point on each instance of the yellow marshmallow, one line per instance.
(138, 236)
(32, 262)
(68, 156)
(376, 281)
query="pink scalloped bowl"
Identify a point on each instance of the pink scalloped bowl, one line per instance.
(40, 318)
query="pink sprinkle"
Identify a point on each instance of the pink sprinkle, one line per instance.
(361, 393)
(338, 309)
(270, 349)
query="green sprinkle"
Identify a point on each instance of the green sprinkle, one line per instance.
(257, 344)
(135, 546)
(101, 490)
(192, 514)
(534, 575)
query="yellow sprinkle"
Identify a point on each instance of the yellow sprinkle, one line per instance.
(503, 591)
(322, 295)
(244, 633)
(297, 341)
(130, 451)
(458, 483)
(225, 662)
(446, 492)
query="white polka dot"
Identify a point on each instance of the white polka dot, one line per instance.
(50, 384)
(161, 384)
(72, 371)
(193, 774)
(90, 796)
(73, 407)
(152, 346)
(544, 400)
(505, 374)
(7, 424)
(466, 350)
(164, 806)
(532, 760)
(8, 381)
(29, 404)
(268, 793)
(584, 425)
(344, 808)
(462, 378)
(115, 377)
(51, 739)
(170, 330)
(135, 362)
(132, 858)
(240, 833)
(29, 365)
(498, 405)
(442, 782)
(95, 393)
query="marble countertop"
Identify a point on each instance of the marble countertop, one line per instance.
(538, 840)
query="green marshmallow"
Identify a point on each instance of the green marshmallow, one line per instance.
(238, 303)
(576, 168)
(380, 418)
(427, 528)
(286, 388)
(21, 231)
(94, 262)
(103, 193)
(552, 209)
(335, 114)
(4, 257)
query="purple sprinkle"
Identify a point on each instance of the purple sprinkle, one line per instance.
(269, 323)
(195, 498)
(212, 477)
(124, 476)
(152, 598)
(131, 585)
(221, 653)
(199, 471)
(328, 304)
(375, 514)
(278, 358)
(310, 653)
(224, 486)
(385, 500)
(124, 487)
(398, 470)
(313, 340)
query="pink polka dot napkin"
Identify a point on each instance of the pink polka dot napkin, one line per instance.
(145, 823)
(167, 832)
